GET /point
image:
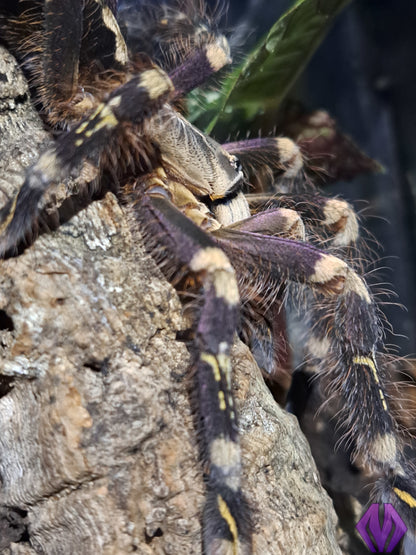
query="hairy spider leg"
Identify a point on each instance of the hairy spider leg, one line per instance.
(348, 356)
(20, 214)
(65, 60)
(64, 46)
(336, 216)
(264, 322)
(170, 32)
(328, 221)
(197, 63)
(283, 159)
(275, 161)
(103, 44)
(279, 152)
(267, 159)
(226, 517)
(133, 102)
(68, 50)
(61, 49)
(341, 345)
(282, 222)
(199, 66)
(107, 45)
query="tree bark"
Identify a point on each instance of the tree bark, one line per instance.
(98, 441)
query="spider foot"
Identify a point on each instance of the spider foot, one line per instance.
(399, 489)
(226, 523)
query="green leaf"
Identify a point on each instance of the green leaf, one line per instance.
(266, 76)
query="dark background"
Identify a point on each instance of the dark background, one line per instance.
(364, 75)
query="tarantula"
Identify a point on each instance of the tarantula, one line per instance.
(120, 128)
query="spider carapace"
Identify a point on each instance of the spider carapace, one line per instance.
(115, 114)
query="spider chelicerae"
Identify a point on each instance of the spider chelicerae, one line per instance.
(121, 129)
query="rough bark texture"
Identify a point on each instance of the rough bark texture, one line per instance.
(98, 447)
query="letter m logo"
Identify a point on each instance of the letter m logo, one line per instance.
(377, 535)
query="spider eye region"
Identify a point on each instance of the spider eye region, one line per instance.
(236, 164)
